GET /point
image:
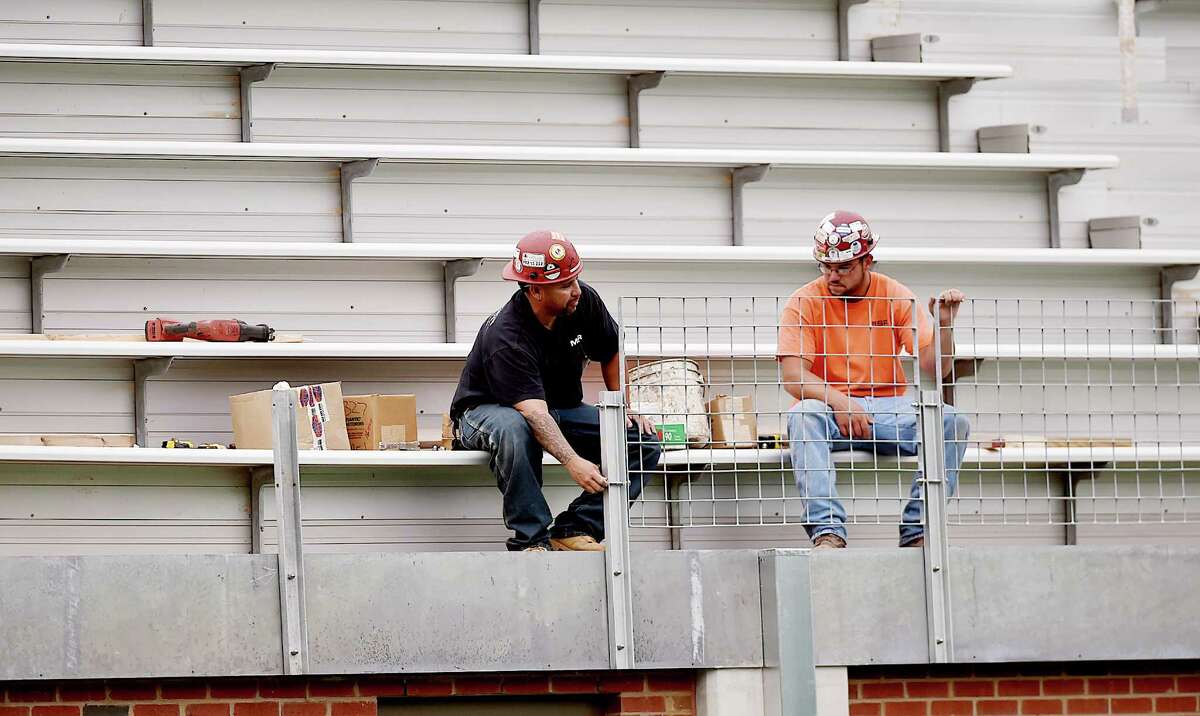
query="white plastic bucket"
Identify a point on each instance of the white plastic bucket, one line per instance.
(671, 393)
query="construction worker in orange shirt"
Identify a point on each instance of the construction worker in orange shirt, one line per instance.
(841, 337)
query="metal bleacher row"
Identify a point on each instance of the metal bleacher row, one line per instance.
(129, 195)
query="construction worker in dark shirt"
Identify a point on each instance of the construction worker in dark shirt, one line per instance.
(521, 392)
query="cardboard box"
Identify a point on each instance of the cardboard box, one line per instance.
(381, 422)
(320, 418)
(447, 442)
(734, 423)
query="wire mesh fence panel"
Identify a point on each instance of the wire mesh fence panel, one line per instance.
(749, 395)
(1057, 413)
(1082, 411)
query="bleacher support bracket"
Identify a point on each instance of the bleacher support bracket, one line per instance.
(535, 27)
(741, 177)
(39, 266)
(143, 370)
(1168, 276)
(250, 75)
(945, 91)
(1055, 181)
(843, 27)
(148, 23)
(260, 477)
(633, 88)
(349, 171)
(452, 271)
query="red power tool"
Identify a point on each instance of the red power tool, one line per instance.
(225, 331)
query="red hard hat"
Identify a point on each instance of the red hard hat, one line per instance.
(543, 258)
(843, 236)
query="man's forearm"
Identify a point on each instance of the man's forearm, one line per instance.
(550, 436)
(946, 343)
(812, 387)
(610, 370)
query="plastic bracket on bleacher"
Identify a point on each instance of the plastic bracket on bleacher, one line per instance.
(1055, 181)
(39, 266)
(143, 370)
(248, 76)
(741, 177)
(946, 90)
(634, 85)
(451, 272)
(1168, 276)
(349, 171)
(843, 27)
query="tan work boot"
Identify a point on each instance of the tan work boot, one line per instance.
(576, 543)
(828, 541)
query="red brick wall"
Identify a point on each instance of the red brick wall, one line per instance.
(669, 693)
(1037, 690)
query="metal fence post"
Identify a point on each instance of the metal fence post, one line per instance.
(293, 628)
(937, 583)
(934, 491)
(614, 464)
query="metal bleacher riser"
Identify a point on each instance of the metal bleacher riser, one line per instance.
(48, 393)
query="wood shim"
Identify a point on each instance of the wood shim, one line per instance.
(1050, 441)
(67, 440)
(121, 337)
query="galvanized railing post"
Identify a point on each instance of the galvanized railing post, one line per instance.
(615, 466)
(933, 473)
(293, 628)
(934, 491)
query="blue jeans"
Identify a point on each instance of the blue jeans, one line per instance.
(814, 436)
(516, 461)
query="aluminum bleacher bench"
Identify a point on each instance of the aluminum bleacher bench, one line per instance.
(617, 65)
(677, 468)
(633, 253)
(746, 165)
(642, 73)
(155, 359)
(463, 259)
(581, 156)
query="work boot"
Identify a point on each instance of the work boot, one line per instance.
(828, 541)
(576, 543)
(918, 542)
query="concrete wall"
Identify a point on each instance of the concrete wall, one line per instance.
(155, 616)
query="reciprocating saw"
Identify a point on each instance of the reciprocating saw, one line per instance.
(224, 331)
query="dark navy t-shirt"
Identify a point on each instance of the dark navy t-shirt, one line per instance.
(516, 358)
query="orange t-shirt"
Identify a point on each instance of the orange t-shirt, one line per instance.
(855, 345)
